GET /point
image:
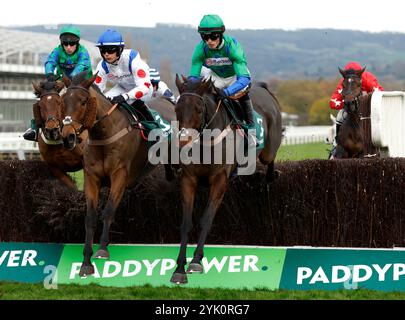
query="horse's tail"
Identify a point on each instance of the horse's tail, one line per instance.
(265, 86)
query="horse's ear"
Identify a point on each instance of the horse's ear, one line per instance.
(66, 80)
(184, 78)
(88, 82)
(179, 84)
(37, 88)
(360, 72)
(342, 72)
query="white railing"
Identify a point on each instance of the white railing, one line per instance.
(388, 121)
(13, 142)
(305, 134)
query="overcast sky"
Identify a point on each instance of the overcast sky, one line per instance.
(365, 15)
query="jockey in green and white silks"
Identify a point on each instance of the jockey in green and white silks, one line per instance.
(222, 58)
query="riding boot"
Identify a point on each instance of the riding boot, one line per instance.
(246, 104)
(338, 125)
(143, 109)
(31, 133)
(334, 144)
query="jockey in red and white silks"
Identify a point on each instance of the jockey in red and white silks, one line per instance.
(131, 85)
(369, 83)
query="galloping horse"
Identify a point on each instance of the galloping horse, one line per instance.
(354, 137)
(48, 117)
(116, 154)
(198, 108)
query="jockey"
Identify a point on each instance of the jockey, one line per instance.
(126, 70)
(221, 58)
(369, 83)
(69, 58)
(160, 88)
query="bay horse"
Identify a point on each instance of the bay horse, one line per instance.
(354, 136)
(116, 154)
(48, 119)
(199, 107)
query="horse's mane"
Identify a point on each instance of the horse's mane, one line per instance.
(79, 78)
(47, 86)
(192, 86)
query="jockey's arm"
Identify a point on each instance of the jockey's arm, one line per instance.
(197, 61)
(243, 79)
(83, 62)
(336, 100)
(52, 61)
(166, 92)
(101, 79)
(141, 79)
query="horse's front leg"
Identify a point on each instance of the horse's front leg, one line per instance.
(118, 184)
(188, 188)
(91, 189)
(63, 176)
(218, 186)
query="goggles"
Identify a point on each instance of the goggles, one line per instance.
(212, 36)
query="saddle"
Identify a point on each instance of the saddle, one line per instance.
(138, 119)
(235, 112)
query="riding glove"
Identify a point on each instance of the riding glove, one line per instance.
(118, 99)
(50, 77)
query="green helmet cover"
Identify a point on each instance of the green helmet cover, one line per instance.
(211, 23)
(70, 30)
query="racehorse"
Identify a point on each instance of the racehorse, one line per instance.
(354, 136)
(116, 154)
(198, 108)
(48, 116)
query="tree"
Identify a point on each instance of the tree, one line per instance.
(319, 113)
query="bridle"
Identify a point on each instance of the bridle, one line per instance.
(52, 117)
(68, 121)
(203, 122)
(355, 101)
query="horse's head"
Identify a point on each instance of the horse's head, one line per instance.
(80, 109)
(351, 88)
(191, 107)
(47, 111)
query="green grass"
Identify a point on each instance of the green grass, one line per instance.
(316, 150)
(20, 291)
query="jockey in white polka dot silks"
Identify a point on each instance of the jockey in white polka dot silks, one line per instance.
(222, 58)
(160, 88)
(126, 70)
(369, 83)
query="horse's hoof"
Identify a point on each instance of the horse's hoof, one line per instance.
(86, 271)
(102, 254)
(179, 278)
(195, 268)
